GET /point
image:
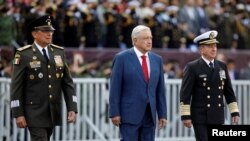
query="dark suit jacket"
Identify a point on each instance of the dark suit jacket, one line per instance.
(204, 88)
(36, 87)
(129, 91)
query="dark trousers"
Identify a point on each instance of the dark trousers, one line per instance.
(40, 133)
(201, 133)
(145, 131)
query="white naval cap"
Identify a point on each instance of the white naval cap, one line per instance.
(91, 1)
(158, 5)
(134, 3)
(208, 37)
(172, 8)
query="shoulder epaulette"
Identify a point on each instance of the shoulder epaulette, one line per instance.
(56, 46)
(23, 48)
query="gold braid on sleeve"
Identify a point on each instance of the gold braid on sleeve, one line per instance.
(184, 109)
(233, 107)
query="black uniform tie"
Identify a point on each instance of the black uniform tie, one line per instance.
(45, 55)
(211, 65)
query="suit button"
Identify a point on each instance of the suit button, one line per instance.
(50, 96)
(204, 84)
(219, 96)
(208, 88)
(208, 105)
(31, 102)
(208, 96)
(48, 66)
(219, 88)
(49, 76)
(219, 105)
(49, 86)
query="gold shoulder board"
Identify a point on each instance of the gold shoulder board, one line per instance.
(56, 46)
(23, 48)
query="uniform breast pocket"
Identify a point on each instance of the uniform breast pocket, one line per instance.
(34, 101)
(35, 74)
(59, 72)
(202, 81)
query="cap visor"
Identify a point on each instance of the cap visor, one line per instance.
(45, 28)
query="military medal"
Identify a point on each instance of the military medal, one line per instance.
(40, 75)
(61, 75)
(57, 75)
(222, 74)
(58, 60)
(35, 64)
(32, 76)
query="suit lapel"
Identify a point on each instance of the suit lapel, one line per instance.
(39, 54)
(136, 64)
(212, 74)
(51, 55)
(204, 67)
(215, 74)
(152, 64)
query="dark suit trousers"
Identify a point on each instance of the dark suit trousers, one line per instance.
(145, 131)
(40, 133)
(201, 133)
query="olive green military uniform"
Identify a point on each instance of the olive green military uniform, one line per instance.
(37, 86)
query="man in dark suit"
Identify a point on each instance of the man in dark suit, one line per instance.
(205, 82)
(137, 91)
(40, 74)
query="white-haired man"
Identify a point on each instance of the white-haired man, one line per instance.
(137, 92)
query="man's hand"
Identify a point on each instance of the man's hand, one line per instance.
(235, 119)
(21, 122)
(71, 116)
(162, 123)
(116, 120)
(187, 123)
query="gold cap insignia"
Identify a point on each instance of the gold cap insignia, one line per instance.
(212, 35)
(48, 20)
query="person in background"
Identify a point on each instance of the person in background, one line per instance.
(8, 30)
(5, 68)
(40, 74)
(205, 82)
(137, 89)
(232, 71)
(245, 72)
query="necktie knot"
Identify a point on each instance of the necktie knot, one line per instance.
(143, 57)
(211, 65)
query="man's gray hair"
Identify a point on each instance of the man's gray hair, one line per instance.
(136, 31)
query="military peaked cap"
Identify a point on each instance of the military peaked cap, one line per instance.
(208, 37)
(41, 23)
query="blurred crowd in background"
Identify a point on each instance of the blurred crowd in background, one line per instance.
(108, 24)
